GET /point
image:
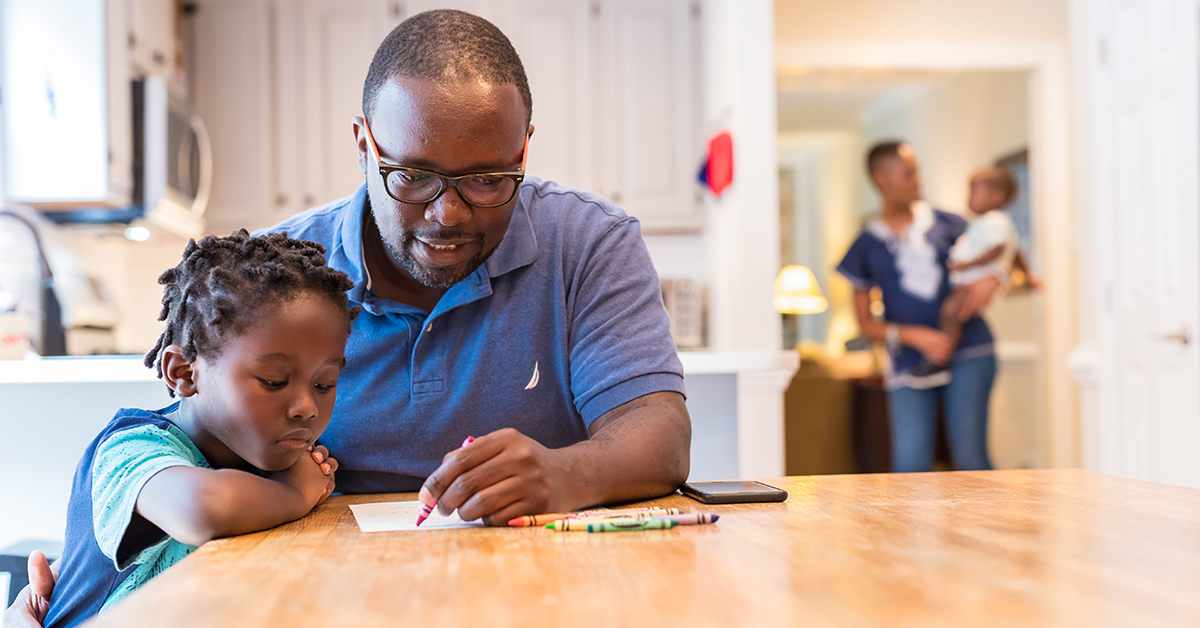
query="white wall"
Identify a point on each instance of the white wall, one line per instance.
(956, 126)
(741, 234)
(825, 167)
(920, 20)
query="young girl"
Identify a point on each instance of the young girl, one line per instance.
(255, 336)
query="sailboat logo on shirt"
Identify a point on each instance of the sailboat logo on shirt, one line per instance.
(533, 381)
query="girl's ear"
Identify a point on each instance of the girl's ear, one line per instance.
(178, 372)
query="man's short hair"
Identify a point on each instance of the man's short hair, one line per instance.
(881, 151)
(999, 179)
(447, 46)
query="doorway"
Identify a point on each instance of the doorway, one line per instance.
(957, 121)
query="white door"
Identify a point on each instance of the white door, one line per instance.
(1146, 159)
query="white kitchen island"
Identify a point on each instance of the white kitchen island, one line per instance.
(50, 409)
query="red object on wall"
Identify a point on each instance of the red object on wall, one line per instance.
(720, 162)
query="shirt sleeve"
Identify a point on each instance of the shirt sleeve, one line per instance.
(121, 467)
(994, 229)
(620, 346)
(854, 266)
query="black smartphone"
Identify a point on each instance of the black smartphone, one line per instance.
(732, 492)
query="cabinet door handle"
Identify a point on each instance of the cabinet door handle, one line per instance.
(281, 200)
(1183, 336)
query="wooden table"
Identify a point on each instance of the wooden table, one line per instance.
(994, 548)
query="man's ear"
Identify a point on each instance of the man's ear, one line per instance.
(178, 372)
(360, 142)
(529, 133)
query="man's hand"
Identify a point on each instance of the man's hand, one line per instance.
(499, 477)
(33, 602)
(637, 450)
(979, 295)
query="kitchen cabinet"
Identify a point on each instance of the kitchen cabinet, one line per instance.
(647, 68)
(151, 38)
(233, 94)
(614, 82)
(555, 40)
(323, 50)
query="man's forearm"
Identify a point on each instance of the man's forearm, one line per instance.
(639, 450)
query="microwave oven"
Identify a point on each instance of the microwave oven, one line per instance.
(83, 138)
(172, 159)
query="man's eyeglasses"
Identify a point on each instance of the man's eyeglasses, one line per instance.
(415, 186)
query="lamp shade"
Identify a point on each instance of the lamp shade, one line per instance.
(797, 292)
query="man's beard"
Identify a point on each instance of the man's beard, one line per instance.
(434, 276)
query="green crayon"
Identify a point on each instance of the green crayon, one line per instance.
(630, 525)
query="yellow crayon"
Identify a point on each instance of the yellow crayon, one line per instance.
(630, 525)
(541, 520)
(580, 524)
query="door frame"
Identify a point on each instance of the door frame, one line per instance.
(1052, 193)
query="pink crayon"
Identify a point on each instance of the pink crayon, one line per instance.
(428, 509)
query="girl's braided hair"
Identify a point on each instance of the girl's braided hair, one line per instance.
(223, 282)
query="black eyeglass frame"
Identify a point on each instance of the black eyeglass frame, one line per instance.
(445, 181)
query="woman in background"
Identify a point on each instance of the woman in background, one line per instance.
(904, 252)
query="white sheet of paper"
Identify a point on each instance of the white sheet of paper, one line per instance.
(402, 516)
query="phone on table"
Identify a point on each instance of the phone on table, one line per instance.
(732, 492)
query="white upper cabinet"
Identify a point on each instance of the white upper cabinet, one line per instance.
(152, 35)
(335, 44)
(614, 83)
(649, 104)
(233, 95)
(554, 39)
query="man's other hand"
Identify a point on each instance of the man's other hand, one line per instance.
(33, 602)
(499, 477)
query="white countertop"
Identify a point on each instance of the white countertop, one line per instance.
(130, 369)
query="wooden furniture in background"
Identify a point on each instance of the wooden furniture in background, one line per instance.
(819, 432)
(987, 548)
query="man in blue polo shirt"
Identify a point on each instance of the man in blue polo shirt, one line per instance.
(514, 310)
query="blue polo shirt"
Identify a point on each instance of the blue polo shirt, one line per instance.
(563, 323)
(910, 270)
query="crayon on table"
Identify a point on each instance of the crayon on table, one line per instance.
(541, 520)
(581, 524)
(428, 509)
(630, 525)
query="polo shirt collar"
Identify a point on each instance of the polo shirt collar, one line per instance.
(517, 249)
(351, 243)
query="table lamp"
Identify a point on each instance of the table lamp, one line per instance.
(797, 292)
